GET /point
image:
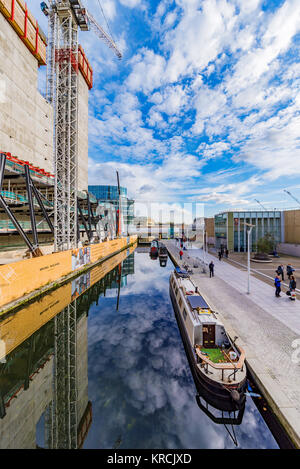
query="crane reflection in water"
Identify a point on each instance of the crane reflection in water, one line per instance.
(44, 379)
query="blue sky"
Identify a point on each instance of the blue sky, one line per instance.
(203, 107)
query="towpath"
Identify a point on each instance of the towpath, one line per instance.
(268, 328)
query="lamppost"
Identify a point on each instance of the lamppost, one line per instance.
(203, 238)
(249, 234)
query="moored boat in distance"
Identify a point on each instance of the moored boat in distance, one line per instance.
(218, 363)
(154, 249)
(162, 254)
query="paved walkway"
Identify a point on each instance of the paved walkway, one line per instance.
(263, 295)
(267, 328)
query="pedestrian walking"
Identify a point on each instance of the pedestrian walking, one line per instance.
(277, 285)
(293, 283)
(220, 255)
(289, 271)
(226, 253)
(211, 269)
(180, 254)
(280, 271)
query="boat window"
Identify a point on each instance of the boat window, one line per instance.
(184, 313)
(176, 291)
(180, 302)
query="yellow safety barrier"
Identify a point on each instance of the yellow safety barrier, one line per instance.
(21, 278)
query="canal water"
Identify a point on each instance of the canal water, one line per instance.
(110, 371)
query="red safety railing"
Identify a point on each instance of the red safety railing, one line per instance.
(20, 162)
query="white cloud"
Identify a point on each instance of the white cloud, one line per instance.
(147, 71)
(130, 3)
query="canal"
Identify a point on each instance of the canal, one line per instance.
(99, 363)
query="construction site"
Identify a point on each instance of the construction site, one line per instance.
(45, 206)
(44, 138)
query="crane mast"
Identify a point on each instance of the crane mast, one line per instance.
(64, 19)
(260, 204)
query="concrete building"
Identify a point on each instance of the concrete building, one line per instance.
(27, 125)
(231, 231)
(290, 242)
(26, 119)
(26, 389)
(210, 230)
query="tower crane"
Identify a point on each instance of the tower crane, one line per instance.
(64, 19)
(291, 195)
(260, 204)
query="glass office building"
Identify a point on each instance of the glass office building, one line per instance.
(111, 194)
(107, 192)
(231, 230)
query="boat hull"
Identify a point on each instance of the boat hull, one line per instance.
(200, 378)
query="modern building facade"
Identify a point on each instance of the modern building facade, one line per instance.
(231, 228)
(110, 194)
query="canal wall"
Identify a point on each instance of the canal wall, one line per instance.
(266, 327)
(23, 280)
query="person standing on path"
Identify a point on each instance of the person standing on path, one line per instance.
(280, 271)
(211, 269)
(226, 253)
(293, 283)
(220, 255)
(277, 285)
(180, 254)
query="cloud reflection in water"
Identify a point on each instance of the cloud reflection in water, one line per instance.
(140, 383)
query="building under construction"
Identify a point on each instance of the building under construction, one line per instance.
(27, 143)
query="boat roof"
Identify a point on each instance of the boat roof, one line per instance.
(197, 301)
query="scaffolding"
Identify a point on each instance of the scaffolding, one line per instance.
(62, 92)
(64, 19)
(66, 67)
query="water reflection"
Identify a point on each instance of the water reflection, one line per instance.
(44, 379)
(139, 378)
(100, 364)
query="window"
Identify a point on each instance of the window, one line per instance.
(176, 291)
(180, 302)
(184, 314)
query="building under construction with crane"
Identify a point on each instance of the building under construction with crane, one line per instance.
(45, 206)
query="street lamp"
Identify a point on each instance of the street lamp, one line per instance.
(249, 234)
(203, 237)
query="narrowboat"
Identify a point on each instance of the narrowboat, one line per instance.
(217, 362)
(163, 255)
(154, 249)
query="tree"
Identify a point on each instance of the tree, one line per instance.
(266, 244)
